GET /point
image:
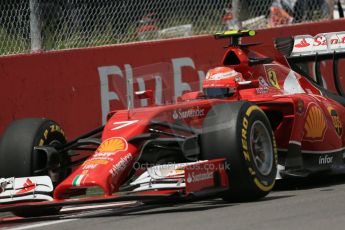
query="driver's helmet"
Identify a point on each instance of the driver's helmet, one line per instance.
(221, 82)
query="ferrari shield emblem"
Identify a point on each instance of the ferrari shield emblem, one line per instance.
(272, 77)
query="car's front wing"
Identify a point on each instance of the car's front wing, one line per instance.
(186, 181)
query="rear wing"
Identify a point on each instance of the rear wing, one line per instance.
(307, 48)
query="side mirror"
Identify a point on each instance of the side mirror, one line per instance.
(145, 94)
(248, 84)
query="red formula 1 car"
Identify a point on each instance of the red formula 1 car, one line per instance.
(255, 120)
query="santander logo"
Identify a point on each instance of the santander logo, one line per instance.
(189, 113)
(302, 44)
(27, 187)
(321, 43)
(196, 177)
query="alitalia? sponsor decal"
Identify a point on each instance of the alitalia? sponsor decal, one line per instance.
(189, 113)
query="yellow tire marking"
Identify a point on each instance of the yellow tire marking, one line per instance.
(41, 142)
(46, 134)
(251, 171)
(50, 129)
(263, 187)
(246, 154)
(251, 109)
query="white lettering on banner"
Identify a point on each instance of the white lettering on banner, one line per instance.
(202, 76)
(129, 78)
(106, 95)
(159, 89)
(178, 63)
(105, 72)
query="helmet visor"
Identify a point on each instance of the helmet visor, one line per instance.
(218, 92)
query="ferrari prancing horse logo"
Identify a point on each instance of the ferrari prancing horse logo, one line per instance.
(272, 77)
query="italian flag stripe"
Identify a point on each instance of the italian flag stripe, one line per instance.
(77, 180)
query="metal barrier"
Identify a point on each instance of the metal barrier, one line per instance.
(38, 25)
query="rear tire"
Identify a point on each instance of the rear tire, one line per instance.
(241, 133)
(18, 158)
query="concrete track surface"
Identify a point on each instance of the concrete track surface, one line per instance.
(317, 203)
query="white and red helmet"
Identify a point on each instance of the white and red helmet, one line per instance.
(221, 82)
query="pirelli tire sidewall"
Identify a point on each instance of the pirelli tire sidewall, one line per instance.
(226, 133)
(50, 133)
(17, 147)
(258, 182)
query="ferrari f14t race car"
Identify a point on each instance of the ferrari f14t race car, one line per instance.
(255, 121)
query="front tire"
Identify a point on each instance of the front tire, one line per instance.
(18, 158)
(241, 133)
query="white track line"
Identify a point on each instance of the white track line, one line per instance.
(41, 224)
(113, 205)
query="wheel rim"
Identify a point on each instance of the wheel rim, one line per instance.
(261, 147)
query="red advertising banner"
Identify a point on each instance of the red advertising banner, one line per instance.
(77, 88)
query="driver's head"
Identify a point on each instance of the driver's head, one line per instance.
(221, 82)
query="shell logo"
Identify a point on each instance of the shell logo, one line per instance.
(111, 146)
(315, 124)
